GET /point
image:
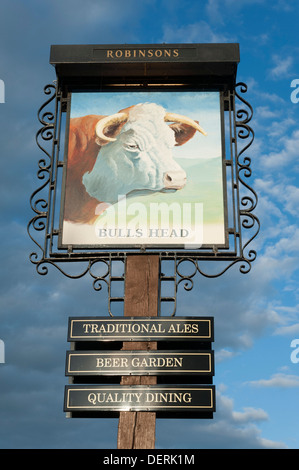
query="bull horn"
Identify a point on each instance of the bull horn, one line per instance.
(172, 117)
(109, 121)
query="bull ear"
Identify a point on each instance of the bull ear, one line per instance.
(182, 132)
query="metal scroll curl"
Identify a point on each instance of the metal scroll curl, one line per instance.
(249, 201)
(38, 201)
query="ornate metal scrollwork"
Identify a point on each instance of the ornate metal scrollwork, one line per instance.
(249, 201)
(185, 265)
(40, 205)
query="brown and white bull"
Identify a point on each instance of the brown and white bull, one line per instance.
(116, 155)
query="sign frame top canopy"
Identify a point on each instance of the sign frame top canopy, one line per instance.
(213, 65)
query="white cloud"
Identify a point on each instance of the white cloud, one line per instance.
(279, 192)
(282, 67)
(281, 127)
(286, 245)
(290, 330)
(266, 113)
(214, 11)
(229, 429)
(284, 155)
(224, 354)
(250, 414)
(277, 380)
(289, 324)
(261, 94)
(199, 32)
(285, 6)
(270, 268)
(238, 427)
(217, 10)
(95, 13)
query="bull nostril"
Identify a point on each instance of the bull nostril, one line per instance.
(174, 179)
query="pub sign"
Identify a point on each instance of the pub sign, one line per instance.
(144, 153)
(144, 167)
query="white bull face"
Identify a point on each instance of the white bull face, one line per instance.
(139, 159)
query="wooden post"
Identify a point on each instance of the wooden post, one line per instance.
(136, 430)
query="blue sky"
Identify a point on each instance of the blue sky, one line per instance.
(256, 315)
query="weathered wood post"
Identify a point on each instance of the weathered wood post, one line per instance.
(136, 430)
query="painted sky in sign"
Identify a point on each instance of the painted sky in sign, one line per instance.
(203, 107)
(256, 315)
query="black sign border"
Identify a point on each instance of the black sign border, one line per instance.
(140, 372)
(186, 411)
(133, 337)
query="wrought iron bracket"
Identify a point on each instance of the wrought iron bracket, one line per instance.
(107, 267)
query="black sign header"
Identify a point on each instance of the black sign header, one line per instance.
(207, 63)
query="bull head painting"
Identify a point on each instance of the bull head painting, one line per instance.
(122, 153)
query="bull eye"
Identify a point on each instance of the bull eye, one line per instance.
(132, 147)
(133, 150)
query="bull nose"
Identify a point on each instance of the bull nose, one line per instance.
(174, 179)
